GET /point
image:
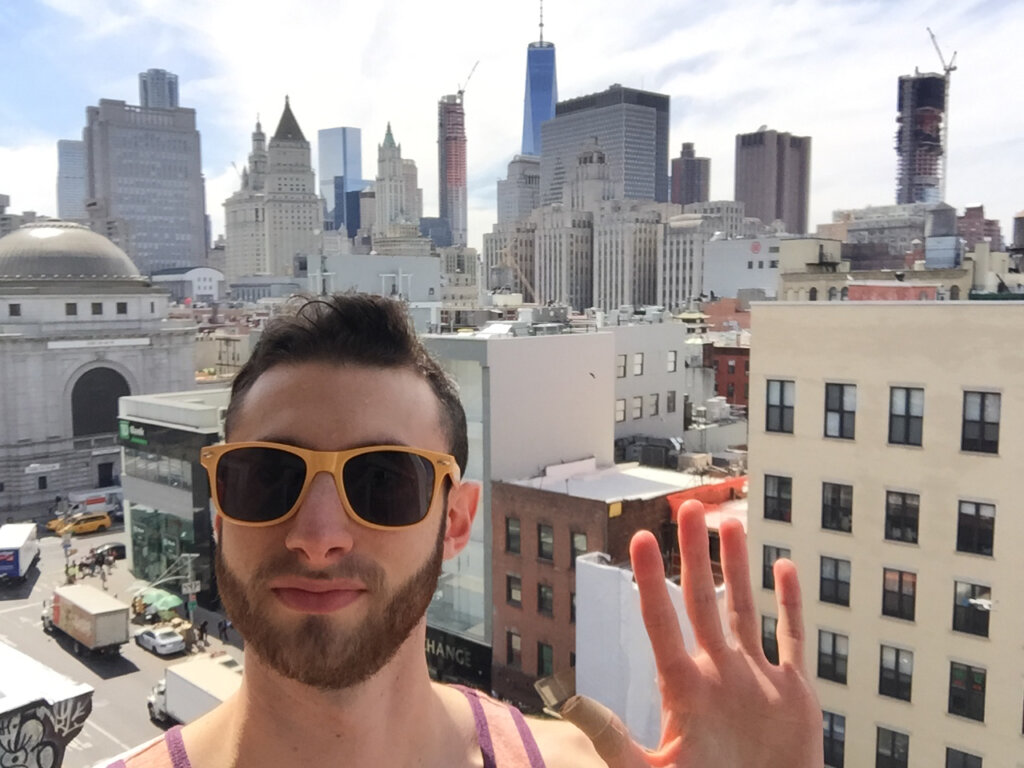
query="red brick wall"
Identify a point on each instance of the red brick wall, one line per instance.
(739, 378)
(566, 514)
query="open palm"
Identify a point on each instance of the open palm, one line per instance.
(726, 706)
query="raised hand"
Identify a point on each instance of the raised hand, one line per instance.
(725, 706)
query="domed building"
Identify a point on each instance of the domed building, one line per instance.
(79, 328)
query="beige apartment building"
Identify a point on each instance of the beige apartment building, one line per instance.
(886, 457)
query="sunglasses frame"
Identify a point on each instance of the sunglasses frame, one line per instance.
(333, 463)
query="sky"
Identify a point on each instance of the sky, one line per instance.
(826, 69)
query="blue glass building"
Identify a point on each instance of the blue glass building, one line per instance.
(541, 93)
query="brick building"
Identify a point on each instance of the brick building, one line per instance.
(539, 527)
(730, 362)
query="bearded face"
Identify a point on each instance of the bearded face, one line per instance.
(316, 649)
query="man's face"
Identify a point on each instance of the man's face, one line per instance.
(320, 598)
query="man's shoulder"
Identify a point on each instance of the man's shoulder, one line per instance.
(563, 744)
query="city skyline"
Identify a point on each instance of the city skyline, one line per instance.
(725, 76)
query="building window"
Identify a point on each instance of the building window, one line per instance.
(545, 542)
(769, 642)
(906, 415)
(771, 554)
(778, 498)
(620, 366)
(833, 652)
(97, 307)
(834, 727)
(14, 310)
(546, 599)
(967, 691)
(957, 759)
(572, 615)
(122, 307)
(70, 309)
(579, 547)
(837, 507)
(41, 483)
(513, 540)
(892, 749)
(730, 390)
(971, 606)
(840, 410)
(514, 649)
(673, 361)
(513, 590)
(638, 407)
(812, 295)
(901, 511)
(620, 410)
(731, 366)
(835, 581)
(899, 593)
(779, 411)
(152, 307)
(638, 363)
(652, 404)
(896, 672)
(545, 660)
(981, 422)
(670, 401)
(975, 528)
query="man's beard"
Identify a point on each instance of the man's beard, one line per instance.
(313, 650)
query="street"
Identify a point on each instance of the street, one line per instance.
(119, 719)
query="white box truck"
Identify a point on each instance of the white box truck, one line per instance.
(95, 621)
(194, 687)
(19, 550)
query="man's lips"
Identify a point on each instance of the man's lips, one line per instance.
(317, 596)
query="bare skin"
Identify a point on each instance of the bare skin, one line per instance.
(724, 707)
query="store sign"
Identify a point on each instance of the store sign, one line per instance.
(131, 433)
(35, 468)
(455, 659)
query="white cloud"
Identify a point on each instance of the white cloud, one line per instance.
(822, 68)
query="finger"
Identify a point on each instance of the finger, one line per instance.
(675, 667)
(610, 736)
(740, 598)
(790, 629)
(698, 582)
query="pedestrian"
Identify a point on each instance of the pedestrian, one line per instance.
(103, 577)
(222, 629)
(202, 632)
(330, 546)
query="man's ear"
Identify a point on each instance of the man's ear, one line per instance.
(218, 523)
(462, 505)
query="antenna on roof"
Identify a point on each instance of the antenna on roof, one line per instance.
(542, 21)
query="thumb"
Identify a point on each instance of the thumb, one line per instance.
(610, 736)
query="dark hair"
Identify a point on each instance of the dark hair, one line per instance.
(351, 328)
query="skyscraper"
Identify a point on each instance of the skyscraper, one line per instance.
(773, 177)
(71, 181)
(158, 89)
(145, 182)
(519, 194)
(922, 106)
(691, 177)
(398, 197)
(541, 90)
(340, 152)
(451, 165)
(630, 125)
(276, 214)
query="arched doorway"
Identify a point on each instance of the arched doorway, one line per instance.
(94, 401)
(954, 293)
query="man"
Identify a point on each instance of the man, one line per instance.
(338, 494)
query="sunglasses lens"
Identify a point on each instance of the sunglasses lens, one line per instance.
(259, 485)
(389, 488)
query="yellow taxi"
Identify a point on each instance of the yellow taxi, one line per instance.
(85, 522)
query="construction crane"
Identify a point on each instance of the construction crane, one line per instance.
(509, 259)
(462, 87)
(947, 69)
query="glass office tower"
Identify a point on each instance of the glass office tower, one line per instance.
(541, 93)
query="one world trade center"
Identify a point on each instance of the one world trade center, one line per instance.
(541, 90)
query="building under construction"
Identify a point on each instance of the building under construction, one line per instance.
(919, 139)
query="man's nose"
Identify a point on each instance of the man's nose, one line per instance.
(321, 529)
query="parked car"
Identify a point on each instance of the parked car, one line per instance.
(118, 549)
(162, 641)
(86, 522)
